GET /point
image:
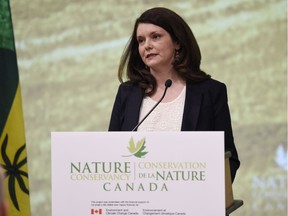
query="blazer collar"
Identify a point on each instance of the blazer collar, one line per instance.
(192, 107)
(133, 108)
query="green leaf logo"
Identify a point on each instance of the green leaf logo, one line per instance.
(138, 149)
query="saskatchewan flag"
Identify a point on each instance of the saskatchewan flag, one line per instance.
(13, 157)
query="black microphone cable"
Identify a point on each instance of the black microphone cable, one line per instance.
(168, 83)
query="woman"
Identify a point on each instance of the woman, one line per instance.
(162, 47)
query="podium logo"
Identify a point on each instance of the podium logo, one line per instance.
(96, 211)
(137, 149)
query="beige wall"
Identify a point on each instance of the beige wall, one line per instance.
(68, 53)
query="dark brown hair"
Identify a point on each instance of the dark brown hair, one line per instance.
(188, 63)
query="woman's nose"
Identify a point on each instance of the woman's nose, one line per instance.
(148, 45)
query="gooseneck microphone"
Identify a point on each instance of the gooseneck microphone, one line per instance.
(168, 83)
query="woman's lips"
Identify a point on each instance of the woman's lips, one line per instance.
(150, 55)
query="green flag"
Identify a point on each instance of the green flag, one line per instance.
(12, 136)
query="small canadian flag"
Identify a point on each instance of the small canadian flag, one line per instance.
(96, 211)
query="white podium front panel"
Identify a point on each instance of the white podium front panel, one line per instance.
(138, 173)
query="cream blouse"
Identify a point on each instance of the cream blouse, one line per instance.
(165, 117)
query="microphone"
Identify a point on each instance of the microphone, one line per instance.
(168, 83)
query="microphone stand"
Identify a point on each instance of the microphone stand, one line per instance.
(168, 83)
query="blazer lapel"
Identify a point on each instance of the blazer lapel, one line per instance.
(133, 105)
(191, 108)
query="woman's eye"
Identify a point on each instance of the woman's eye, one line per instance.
(155, 36)
(140, 40)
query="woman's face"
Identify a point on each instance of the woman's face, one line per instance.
(155, 45)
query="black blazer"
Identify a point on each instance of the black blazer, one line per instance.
(206, 109)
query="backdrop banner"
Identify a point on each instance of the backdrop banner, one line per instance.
(138, 173)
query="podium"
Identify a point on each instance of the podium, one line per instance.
(230, 203)
(143, 173)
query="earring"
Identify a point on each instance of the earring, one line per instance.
(177, 56)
